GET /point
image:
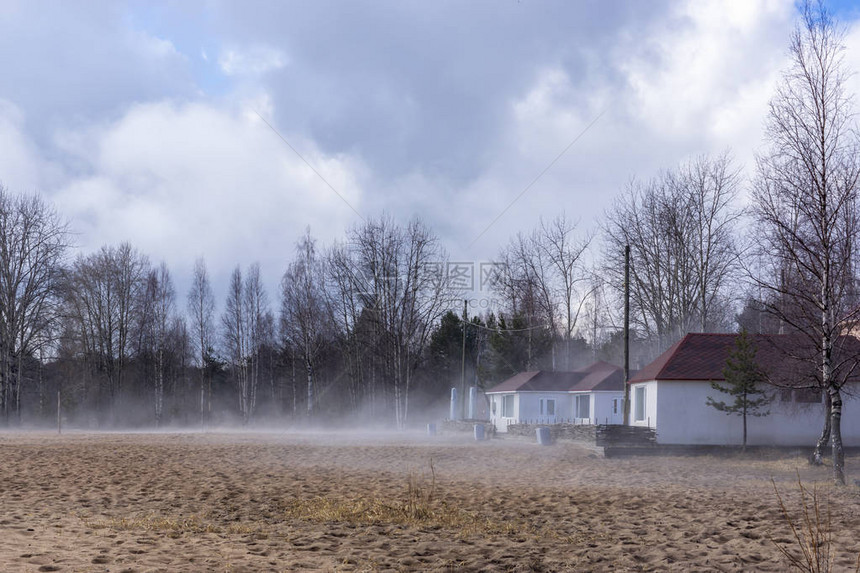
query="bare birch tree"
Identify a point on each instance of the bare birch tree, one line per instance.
(304, 312)
(33, 243)
(805, 201)
(680, 227)
(402, 294)
(542, 280)
(235, 335)
(345, 301)
(525, 286)
(711, 186)
(425, 298)
(163, 297)
(565, 251)
(201, 309)
(104, 296)
(256, 310)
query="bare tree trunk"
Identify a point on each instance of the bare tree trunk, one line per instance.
(824, 438)
(19, 376)
(159, 388)
(293, 383)
(836, 436)
(310, 369)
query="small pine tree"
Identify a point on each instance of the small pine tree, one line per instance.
(743, 378)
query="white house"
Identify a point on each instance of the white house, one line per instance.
(591, 395)
(671, 393)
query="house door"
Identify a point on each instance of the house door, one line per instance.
(616, 413)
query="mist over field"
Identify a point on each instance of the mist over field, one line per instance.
(250, 223)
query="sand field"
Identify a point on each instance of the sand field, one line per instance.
(373, 502)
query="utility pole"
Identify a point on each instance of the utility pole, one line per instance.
(463, 373)
(626, 334)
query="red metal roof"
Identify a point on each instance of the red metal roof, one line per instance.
(598, 376)
(702, 356)
(694, 357)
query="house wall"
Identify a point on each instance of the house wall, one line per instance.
(651, 404)
(527, 408)
(602, 408)
(682, 416)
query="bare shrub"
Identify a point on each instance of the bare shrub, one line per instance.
(812, 532)
(420, 495)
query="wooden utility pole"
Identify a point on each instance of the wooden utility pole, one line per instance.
(626, 334)
(463, 373)
(59, 414)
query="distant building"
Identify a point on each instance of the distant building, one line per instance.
(670, 394)
(591, 395)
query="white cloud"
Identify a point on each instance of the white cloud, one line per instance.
(709, 69)
(153, 47)
(22, 168)
(852, 60)
(700, 82)
(181, 181)
(252, 61)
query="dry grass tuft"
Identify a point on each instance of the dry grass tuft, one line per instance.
(162, 524)
(419, 506)
(420, 495)
(812, 549)
(383, 511)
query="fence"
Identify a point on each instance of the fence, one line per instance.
(552, 421)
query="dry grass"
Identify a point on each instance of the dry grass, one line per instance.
(419, 507)
(384, 511)
(165, 524)
(812, 532)
(420, 495)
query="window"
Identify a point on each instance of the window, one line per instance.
(615, 406)
(541, 406)
(550, 407)
(785, 395)
(808, 395)
(493, 406)
(640, 404)
(583, 406)
(508, 406)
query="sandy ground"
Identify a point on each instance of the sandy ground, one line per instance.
(288, 502)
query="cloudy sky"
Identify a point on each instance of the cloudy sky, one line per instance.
(142, 121)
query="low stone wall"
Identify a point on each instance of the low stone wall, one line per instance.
(616, 435)
(578, 432)
(466, 427)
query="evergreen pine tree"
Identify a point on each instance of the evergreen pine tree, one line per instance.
(743, 379)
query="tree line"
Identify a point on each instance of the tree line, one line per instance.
(367, 326)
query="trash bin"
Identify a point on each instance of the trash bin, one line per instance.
(543, 436)
(479, 431)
